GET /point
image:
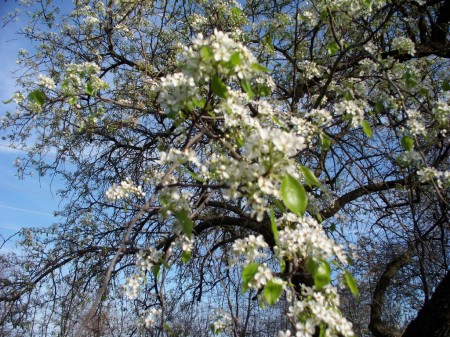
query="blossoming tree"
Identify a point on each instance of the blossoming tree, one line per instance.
(288, 147)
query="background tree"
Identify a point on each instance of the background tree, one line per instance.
(286, 128)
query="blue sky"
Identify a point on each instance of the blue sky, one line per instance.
(29, 202)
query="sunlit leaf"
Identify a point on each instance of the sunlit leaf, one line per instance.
(294, 195)
(185, 221)
(245, 85)
(310, 179)
(185, 257)
(218, 87)
(407, 143)
(350, 282)
(259, 67)
(273, 224)
(38, 97)
(155, 270)
(367, 128)
(332, 48)
(325, 141)
(248, 274)
(272, 292)
(235, 59)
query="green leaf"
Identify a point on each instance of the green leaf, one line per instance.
(279, 205)
(323, 330)
(323, 14)
(410, 79)
(323, 274)
(235, 59)
(311, 265)
(89, 89)
(367, 129)
(248, 274)
(239, 141)
(168, 329)
(206, 53)
(273, 224)
(310, 178)
(38, 97)
(272, 292)
(350, 282)
(196, 176)
(446, 85)
(379, 107)
(185, 257)
(263, 90)
(294, 195)
(259, 67)
(332, 48)
(199, 103)
(218, 87)
(325, 141)
(245, 85)
(185, 221)
(348, 96)
(320, 270)
(155, 270)
(407, 143)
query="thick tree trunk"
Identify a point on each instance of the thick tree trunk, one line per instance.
(433, 320)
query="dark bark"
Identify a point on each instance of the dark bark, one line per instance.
(433, 320)
(376, 325)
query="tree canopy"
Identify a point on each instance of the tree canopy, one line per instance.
(235, 168)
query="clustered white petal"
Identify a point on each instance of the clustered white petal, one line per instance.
(124, 190)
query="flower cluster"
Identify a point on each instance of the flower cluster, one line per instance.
(353, 109)
(124, 190)
(304, 237)
(404, 45)
(222, 322)
(46, 82)
(150, 317)
(317, 309)
(147, 258)
(415, 122)
(428, 174)
(251, 247)
(132, 286)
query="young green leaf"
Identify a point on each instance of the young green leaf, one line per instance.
(320, 271)
(206, 53)
(309, 176)
(325, 141)
(332, 48)
(279, 205)
(155, 270)
(294, 195)
(312, 265)
(89, 89)
(185, 221)
(323, 274)
(259, 67)
(218, 87)
(38, 97)
(407, 143)
(185, 257)
(367, 129)
(272, 292)
(350, 282)
(446, 85)
(248, 274)
(245, 85)
(273, 224)
(235, 59)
